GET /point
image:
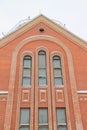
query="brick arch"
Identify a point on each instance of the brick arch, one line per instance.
(29, 53)
(76, 107)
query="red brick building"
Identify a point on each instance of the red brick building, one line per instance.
(43, 78)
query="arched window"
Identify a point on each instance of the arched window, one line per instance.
(42, 69)
(57, 71)
(26, 74)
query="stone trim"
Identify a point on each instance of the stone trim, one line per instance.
(43, 92)
(3, 92)
(62, 96)
(82, 92)
(28, 96)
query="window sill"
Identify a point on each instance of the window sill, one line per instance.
(21, 125)
(43, 86)
(43, 124)
(26, 86)
(61, 124)
(59, 86)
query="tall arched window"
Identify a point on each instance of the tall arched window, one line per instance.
(57, 71)
(42, 69)
(26, 74)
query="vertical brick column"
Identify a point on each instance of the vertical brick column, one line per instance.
(48, 88)
(49, 93)
(8, 115)
(53, 91)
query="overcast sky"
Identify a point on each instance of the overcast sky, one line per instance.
(72, 13)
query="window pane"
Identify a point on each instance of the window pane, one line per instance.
(24, 116)
(42, 72)
(42, 82)
(62, 128)
(58, 81)
(61, 116)
(27, 63)
(43, 116)
(24, 128)
(27, 72)
(26, 81)
(57, 73)
(56, 64)
(42, 61)
(43, 128)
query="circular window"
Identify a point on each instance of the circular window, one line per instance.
(41, 29)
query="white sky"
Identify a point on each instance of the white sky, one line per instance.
(73, 13)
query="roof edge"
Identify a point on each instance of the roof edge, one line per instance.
(56, 27)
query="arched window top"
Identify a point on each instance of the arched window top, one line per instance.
(56, 57)
(41, 52)
(56, 61)
(27, 57)
(42, 59)
(27, 61)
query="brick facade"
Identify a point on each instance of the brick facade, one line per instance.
(72, 95)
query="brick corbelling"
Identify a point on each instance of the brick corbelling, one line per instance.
(79, 125)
